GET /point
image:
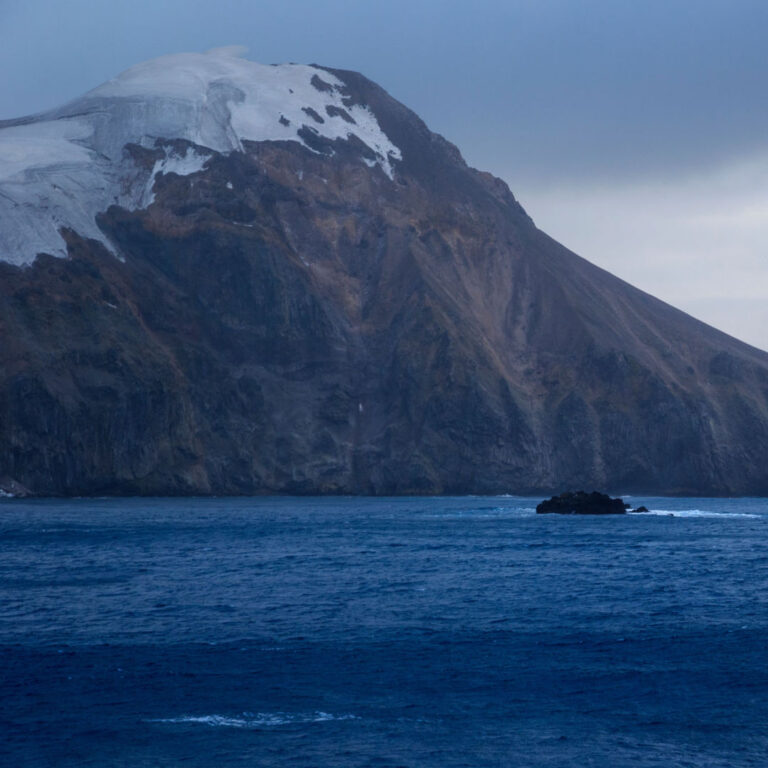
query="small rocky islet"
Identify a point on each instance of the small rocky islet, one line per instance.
(582, 503)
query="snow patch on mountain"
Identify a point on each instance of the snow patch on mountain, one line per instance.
(182, 163)
(62, 168)
(38, 146)
(193, 92)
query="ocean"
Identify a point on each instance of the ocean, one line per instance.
(421, 632)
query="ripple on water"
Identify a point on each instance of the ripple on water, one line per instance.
(254, 720)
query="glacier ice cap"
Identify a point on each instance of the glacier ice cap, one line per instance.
(225, 99)
(63, 167)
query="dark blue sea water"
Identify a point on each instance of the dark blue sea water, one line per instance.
(382, 632)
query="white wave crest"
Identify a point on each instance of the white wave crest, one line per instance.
(254, 719)
(697, 513)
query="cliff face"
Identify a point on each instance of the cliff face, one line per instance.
(336, 313)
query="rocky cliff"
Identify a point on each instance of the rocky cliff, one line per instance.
(224, 278)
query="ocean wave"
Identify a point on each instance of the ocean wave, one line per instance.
(480, 513)
(254, 720)
(697, 513)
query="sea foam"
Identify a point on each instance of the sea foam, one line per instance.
(697, 513)
(254, 720)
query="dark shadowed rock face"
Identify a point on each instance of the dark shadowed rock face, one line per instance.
(288, 318)
(581, 503)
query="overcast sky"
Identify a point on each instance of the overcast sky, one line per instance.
(634, 132)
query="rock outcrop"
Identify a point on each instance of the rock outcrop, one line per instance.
(295, 308)
(581, 503)
(10, 489)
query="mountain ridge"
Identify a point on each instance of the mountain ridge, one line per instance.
(289, 317)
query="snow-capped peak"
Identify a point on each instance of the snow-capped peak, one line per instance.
(65, 166)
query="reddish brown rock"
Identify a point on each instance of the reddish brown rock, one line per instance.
(290, 321)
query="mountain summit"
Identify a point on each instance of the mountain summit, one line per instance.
(223, 277)
(66, 166)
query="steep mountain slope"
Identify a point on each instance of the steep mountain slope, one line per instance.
(277, 279)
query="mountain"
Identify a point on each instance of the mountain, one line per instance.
(222, 277)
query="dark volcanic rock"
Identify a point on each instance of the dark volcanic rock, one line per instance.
(339, 112)
(320, 84)
(581, 503)
(313, 114)
(291, 319)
